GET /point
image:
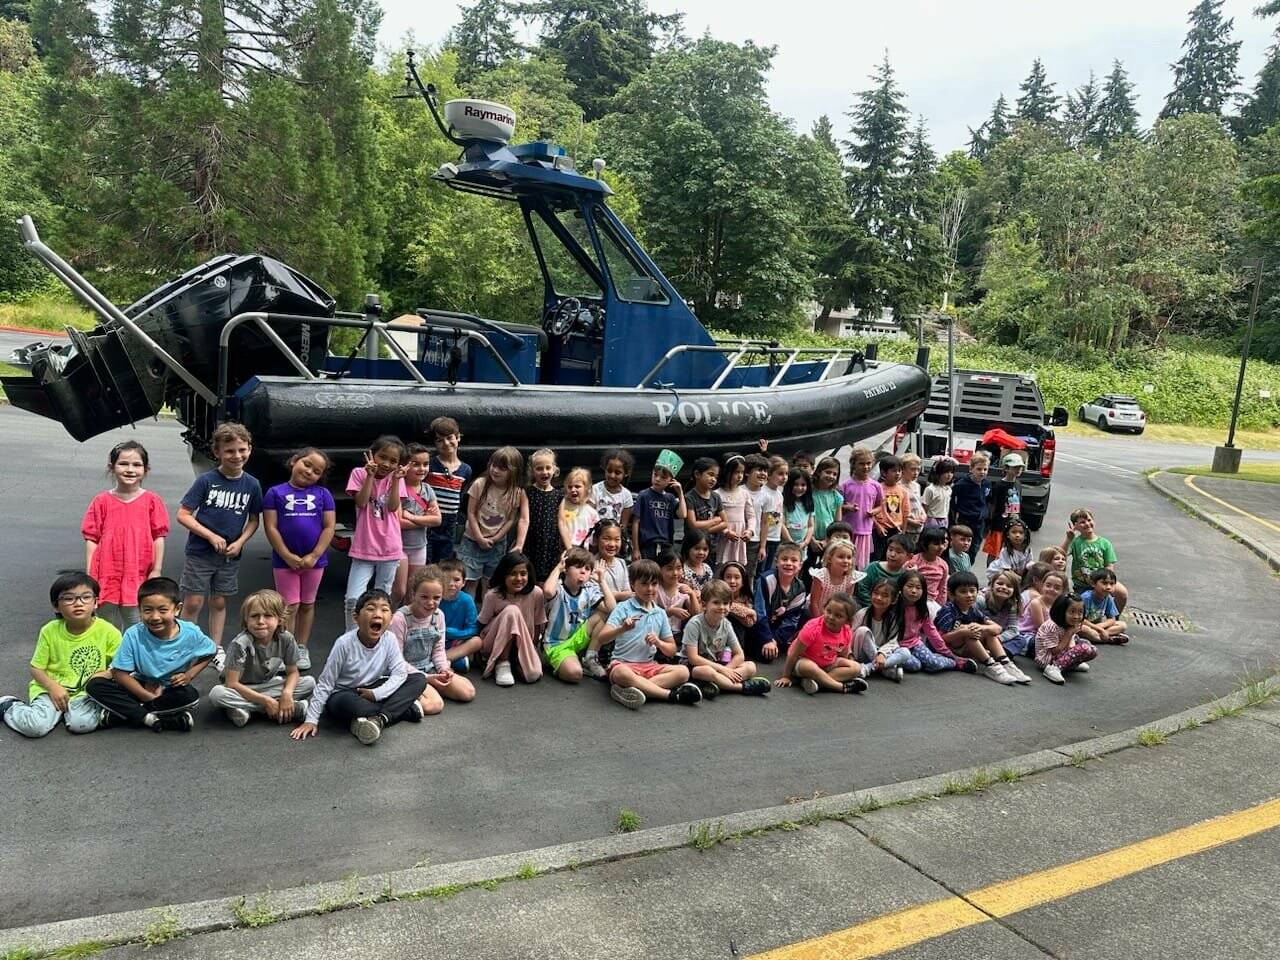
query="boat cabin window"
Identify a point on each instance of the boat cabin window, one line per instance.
(631, 281)
(568, 277)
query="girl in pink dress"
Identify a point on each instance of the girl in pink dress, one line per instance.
(862, 496)
(511, 619)
(739, 511)
(124, 530)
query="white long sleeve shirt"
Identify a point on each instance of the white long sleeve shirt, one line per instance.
(351, 664)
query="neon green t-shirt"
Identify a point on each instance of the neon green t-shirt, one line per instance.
(1087, 556)
(72, 659)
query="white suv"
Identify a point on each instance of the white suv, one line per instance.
(1115, 411)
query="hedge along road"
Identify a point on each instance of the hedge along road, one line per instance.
(123, 819)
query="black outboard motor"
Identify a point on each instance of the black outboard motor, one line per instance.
(111, 378)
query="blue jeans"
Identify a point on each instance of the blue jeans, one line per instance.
(440, 539)
(40, 716)
(922, 658)
(381, 572)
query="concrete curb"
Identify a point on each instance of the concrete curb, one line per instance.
(35, 332)
(1221, 524)
(205, 916)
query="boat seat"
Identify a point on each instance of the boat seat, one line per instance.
(519, 329)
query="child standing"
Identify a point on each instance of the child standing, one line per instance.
(124, 530)
(757, 487)
(711, 650)
(1001, 604)
(930, 563)
(896, 555)
(155, 667)
(72, 648)
(1015, 552)
(511, 619)
(220, 511)
(797, 511)
(1004, 504)
(611, 496)
(366, 682)
(820, 654)
(780, 601)
(969, 495)
(497, 515)
(827, 500)
(920, 638)
(419, 514)
(1088, 552)
(377, 544)
(891, 517)
(836, 575)
(862, 498)
(574, 591)
(1059, 648)
(937, 495)
(577, 516)
(739, 511)
(462, 633)
(915, 505)
(421, 630)
(299, 518)
(261, 675)
(967, 630)
(447, 476)
(695, 548)
(960, 540)
(1100, 611)
(768, 502)
(705, 509)
(638, 628)
(653, 527)
(877, 635)
(542, 544)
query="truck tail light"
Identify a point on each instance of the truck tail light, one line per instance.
(1046, 457)
(899, 432)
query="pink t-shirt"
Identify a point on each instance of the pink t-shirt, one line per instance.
(377, 535)
(861, 496)
(821, 646)
(935, 576)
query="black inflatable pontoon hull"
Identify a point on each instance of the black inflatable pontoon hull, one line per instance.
(579, 423)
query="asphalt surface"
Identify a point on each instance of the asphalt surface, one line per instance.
(781, 891)
(143, 819)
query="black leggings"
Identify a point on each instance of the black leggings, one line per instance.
(345, 704)
(118, 701)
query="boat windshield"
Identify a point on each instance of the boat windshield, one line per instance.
(567, 275)
(631, 280)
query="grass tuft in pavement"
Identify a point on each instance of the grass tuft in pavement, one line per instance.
(259, 914)
(977, 782)
(704, 836)
(629, 821)
(1151, 737)
(163, 929)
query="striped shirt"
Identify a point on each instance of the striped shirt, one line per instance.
(447, 484)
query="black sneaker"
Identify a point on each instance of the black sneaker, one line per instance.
(107, 719)
(416, 713)
(5, 704)
(180, 722)
(856, 685)
(688, 693)
(709, 690)
(757, 687)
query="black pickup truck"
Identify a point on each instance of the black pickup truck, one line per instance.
(987, 399)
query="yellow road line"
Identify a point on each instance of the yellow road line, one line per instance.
(1231, 506)
(904, 928)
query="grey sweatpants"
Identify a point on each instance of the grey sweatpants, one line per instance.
(224, 697)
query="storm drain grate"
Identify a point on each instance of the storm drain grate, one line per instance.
(1158, 621)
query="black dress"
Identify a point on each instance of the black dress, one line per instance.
(542, 544)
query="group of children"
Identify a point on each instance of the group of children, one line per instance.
(844, 581)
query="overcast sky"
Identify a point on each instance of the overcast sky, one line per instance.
(952, 59)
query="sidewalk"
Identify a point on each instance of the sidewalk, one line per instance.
(1162, 850)
(1244, 509)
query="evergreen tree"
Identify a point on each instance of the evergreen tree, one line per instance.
(823, 135)
(1117, 112)
(15, 10)
(1038, 103)
(485, 38)
(1082, 114)
(920, 240)
(1261, 109)
(1205, 77)
(988, 136)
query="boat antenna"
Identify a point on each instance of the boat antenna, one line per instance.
(582, 119)
(427, 92)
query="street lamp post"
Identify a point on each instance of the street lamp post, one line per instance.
(1226, 459)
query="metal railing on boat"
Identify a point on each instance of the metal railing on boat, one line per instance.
(735, 350)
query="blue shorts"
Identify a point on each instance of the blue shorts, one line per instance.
(478, 561)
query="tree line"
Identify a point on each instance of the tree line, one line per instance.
(149, 135)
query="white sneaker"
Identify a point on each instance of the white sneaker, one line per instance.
(895, 674)
(591, 665)
(238, 715)
(809, 686)
(630, 697)
(1053, 674)
(366, 729)
(304, 658)
(219, 659)
(1014, 671)
(503, 676)
(1081, 667)
(998, 673)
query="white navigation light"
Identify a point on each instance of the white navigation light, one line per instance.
(480, 120)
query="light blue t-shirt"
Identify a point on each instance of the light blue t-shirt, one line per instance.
(567, 611)
(1099, 607)
(630, 647)
(149, 658)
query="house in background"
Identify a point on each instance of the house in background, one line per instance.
(852, 322)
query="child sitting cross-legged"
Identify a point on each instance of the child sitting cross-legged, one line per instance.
(1059, 647)
(511, 620)
(1102, 618)
(920, 638)
(638, 628)
(366, 682)
(578, 596)
(153, 670)
(819, 656)
(968, 631)
(1002, 604)
(73, 647)
(781, 605)
(896, 555)
(261, 674)
(421, 630)
(877, 635)
(711, 649)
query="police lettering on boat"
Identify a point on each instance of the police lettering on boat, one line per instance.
(713, 413)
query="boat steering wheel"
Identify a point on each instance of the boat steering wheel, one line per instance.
(569, 314)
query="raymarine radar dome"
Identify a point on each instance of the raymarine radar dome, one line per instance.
(480, 120)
